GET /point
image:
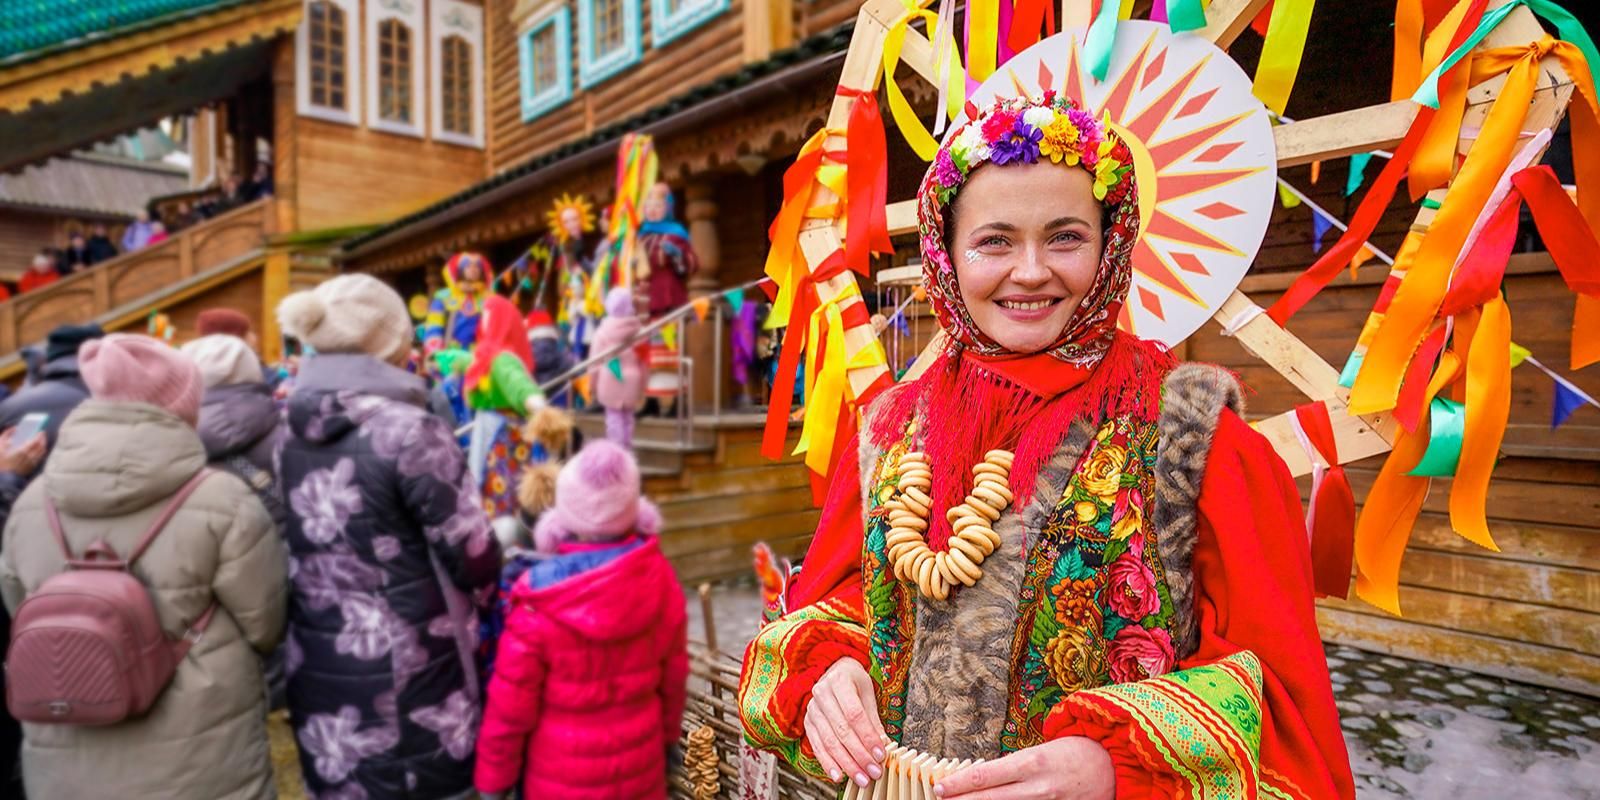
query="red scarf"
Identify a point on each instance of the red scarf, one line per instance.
(500, 330)
(972, 404)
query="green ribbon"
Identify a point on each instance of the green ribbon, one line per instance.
(1447, 426)
(1566, 25)
(1102, 36)
(1186, 15)
(1352, 365)
(615, 365)
(1428, 202)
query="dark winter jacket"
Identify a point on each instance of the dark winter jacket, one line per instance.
(389, 554)
(60, 390)
(550, 359)
(240, 422)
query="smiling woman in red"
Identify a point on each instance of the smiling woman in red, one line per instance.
(1058, 551)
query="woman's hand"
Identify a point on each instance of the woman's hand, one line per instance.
(842, 723)
(25, 458)
(1072, 768)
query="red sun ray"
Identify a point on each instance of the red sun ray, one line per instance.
(1150, 119)
(1074, 85)
(1151, 302)
(1125, 320)
(1116, 102)
(1046, 80)
(1169, 227)
(1191, 263)
(1197, 102)
(1219, 210)
(1153, 71)
(1217, 152)
(1177, 147)
(1149, 262)
(1172, 187)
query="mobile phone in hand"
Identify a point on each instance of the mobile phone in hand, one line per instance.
(30, 426)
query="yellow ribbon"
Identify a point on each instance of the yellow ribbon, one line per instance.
(915, 133)
(1488, 406)
(828, 385)
(1280, 53)
(983, 38)
(1422, 290)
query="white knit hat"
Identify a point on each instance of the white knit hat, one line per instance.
(350, 314)
(224, 360)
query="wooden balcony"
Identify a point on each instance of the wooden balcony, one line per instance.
(128, 281)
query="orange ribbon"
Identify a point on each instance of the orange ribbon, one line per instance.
(1488, 405)
(1417, 300)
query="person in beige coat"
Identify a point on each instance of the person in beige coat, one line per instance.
(120, 457)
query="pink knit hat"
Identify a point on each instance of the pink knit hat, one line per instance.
(597, 498)
(129, 368)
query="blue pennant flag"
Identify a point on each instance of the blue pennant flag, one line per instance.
(1358, 172)
(900, 324)
(1319, 227)
(1567, 401)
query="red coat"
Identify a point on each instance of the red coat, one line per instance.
(589, 681)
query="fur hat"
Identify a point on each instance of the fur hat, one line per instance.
(222, 320)
(224, 360)
(596, 498)
(130, 368)
(350, 314)
(66, 339)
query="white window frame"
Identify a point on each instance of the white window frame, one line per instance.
(667, 24)
(351, 115)
(454, 18)
(537, 105)
(594, 69)
(408, 13)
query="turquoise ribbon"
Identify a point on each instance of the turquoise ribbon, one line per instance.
(1102, 36)
(1447, 426)
(1566, 25)
(1186, 15)
(1352, 365)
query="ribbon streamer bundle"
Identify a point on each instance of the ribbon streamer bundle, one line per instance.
(637, 167)
(908, 774)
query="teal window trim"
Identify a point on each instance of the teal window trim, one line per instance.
(594, 69)
(667, 24)
(535, 105)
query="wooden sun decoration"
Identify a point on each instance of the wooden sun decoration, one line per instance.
(908, 774)
(1342, 134)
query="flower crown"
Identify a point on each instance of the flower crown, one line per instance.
(1024, 130)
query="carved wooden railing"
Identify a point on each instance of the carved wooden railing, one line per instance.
(125, 279)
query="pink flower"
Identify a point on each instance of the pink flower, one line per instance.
(1131, 589)
(998, 125)
(1138, 653)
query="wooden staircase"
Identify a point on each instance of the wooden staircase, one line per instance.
(718, 495)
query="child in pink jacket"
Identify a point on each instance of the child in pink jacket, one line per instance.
(588, 687)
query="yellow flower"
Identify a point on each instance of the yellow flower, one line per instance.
(1086, 511)
(1060, 141)
(1105, 171)
(1102, 475)
(1131, 523)
(1076, 659)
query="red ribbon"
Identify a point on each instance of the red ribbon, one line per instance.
(867, 180)
(1413, 397)
(1332, 517)
(776, 434)
(1478, 276)
(1027, 16)
(1566, 234)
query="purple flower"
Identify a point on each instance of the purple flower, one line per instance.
(944, 170)
(1021, 143)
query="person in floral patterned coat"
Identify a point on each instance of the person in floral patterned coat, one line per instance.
(1057, 551)
(390, 559)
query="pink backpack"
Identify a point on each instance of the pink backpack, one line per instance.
(87, 647)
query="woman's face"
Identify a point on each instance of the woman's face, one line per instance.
(1026, 245)
(470, 273)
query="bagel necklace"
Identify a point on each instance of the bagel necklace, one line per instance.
(973, 538)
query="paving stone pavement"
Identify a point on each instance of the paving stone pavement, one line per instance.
(1415, 731)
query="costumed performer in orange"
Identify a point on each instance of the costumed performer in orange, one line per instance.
(1059, 551)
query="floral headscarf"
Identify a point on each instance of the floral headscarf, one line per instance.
(1025, 130)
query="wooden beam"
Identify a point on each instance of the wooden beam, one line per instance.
(1359, 130)
(1226, 19)
(902, 217)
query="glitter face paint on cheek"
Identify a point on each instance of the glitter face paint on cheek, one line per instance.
(973, 256)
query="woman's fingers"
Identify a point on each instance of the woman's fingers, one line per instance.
(866, 699)
(981, 781)
(862, 716)
(855, 756)
(822, 742)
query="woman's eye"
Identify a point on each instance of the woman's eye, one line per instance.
(992, 241)
(1066, 237)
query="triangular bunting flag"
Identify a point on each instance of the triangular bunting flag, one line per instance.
(1316, 172)
(1519, 354)
(1567, 401)
(900, 324)
(1358, 170)
(669, 335)
(615, 365)
(702, 307)
(1362, 256)
(1286, 197)
(735, 298)
(1319, 228)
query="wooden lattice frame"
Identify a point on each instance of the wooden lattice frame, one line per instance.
(1330, 136)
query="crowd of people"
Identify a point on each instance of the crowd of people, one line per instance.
(94, 245)
(316, 536)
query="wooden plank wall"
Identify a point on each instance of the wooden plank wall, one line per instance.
(355, 176)
(700, 56)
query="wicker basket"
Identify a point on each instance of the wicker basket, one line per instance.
(713, 692)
